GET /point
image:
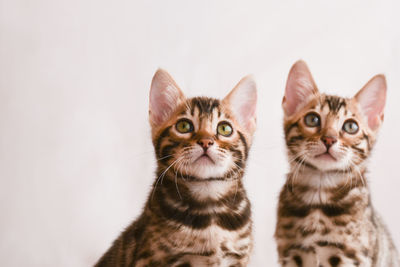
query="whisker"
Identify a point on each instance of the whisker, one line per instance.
(176, 182)
(161, 177)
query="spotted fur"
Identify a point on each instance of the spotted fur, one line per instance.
(325, 215)
(197, 214)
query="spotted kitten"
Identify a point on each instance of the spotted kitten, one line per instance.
(197, 213)
(325, 216)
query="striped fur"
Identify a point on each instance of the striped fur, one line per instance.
(325, 215)
(197, 214)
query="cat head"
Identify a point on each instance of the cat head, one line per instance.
(327, 132)
(201, 137)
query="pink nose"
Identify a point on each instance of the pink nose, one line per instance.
(205, 143)
(328, 141)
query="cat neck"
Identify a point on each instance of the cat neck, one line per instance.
(315, 187)
(186, 188)
(213, 189)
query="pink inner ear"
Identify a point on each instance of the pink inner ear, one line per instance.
(243, 100)
(165, 96)
(248, 110)
(160, 105)
(300, 85)
(372, 99)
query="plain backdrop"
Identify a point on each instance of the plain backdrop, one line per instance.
(76, 160)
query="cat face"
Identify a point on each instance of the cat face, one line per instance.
(201, 138)
(326, 132)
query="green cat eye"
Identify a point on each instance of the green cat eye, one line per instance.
(312, 120)
(184, 126)
(350, 126)
(224, 129)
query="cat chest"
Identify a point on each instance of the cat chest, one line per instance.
(206, 247)
(328, 225)
(213, 239)
(318, 239)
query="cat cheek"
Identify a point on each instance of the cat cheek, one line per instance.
(310, 132)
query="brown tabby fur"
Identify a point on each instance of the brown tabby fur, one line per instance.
(191, 221)
(325, 217)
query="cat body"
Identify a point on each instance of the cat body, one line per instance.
(325, 215)
(197, 213)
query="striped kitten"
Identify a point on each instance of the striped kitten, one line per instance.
(197, 213)
(325, 216)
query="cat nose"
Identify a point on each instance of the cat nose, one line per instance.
(205, 143)
(328, 141)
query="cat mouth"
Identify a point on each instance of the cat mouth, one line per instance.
(325, 156)
(204, 158)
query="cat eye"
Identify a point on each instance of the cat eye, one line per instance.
(350, 127)
(224, 129)
(312, 120)
(184, 126)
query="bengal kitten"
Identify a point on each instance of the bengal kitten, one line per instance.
(197, 213)
(325, 216)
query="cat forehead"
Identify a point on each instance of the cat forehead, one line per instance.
(203, 107)
(332, 104)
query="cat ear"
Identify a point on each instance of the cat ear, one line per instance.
(372, 98)
(299, 86)
(165, 97)
(242, 100)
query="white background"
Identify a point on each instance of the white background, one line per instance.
(76, 160)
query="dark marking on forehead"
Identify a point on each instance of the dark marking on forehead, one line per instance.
(205, 105)
(335, 103)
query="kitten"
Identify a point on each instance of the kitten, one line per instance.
(325, 216)
(197, 213)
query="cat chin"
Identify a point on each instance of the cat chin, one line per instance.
(207, 170)
(325, 161)
(328, 164)
(208, 166)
